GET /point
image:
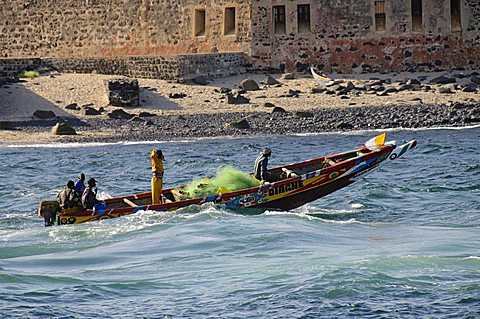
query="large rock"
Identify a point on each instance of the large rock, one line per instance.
(63, 129)
(268, 104)
(72, 106)
(469, 88)
(249, 85)
(343, 125)
(475, 79)
(242, 124)
(123, 92)
(6, 125)
(446, 89)
(44, 114)
(237, 99)
(278, 109)
(270, 81)
(120, 114)
(89, 111)
(288, 76)
(443, 80)
(201, 80)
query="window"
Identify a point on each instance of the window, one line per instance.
(229, 21)
(279, 22)
(199, 27)
(380, 17)
(455, 14)
(417, 24)
(303, 17)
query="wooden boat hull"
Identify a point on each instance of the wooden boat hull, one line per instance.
(314, 179)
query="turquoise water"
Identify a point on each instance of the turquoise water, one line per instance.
(404, 242)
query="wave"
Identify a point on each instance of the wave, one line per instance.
(231, 137)
(122, 143)
(397, 129)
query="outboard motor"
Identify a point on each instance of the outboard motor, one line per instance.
(48, 209)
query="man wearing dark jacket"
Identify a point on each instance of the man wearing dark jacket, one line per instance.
(89, 197)
(260, 171)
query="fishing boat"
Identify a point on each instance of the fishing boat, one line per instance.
(321, 78)
(294, 185)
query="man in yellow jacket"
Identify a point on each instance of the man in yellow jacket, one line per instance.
(157, 175)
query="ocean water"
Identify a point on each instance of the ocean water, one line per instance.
(403, 242)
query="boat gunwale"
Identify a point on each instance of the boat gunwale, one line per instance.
(230, 195)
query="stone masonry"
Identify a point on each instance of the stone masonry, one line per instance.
(161, 38)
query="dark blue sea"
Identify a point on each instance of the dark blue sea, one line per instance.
(403, 242)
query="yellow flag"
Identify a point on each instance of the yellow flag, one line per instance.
(378, 140)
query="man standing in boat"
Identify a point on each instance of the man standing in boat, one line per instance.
(261, 163)
(157, 175)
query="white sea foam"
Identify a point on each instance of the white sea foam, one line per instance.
(397, 129)
(473, 257)
(357, 205)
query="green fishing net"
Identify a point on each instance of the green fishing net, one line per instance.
(29, 74)
(228, 179)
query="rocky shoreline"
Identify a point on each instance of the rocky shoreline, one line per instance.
(234, 106)
(277, 122)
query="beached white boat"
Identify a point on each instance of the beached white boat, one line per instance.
(320, 77)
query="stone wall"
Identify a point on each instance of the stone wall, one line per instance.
(172, 67)
(343, 37)
(89, 28)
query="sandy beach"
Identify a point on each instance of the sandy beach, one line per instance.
(54, 92)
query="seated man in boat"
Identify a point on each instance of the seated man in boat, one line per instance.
(68, 197)
(261, 171)
(89, 197)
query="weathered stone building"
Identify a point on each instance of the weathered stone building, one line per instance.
(157, 37)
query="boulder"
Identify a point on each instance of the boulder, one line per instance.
(278, 109)
(288, 76)
(317, 90)
(344, 125)
(469, 88)
(201, 80)
(63, 129)
(242, 124)
(446, 89)
(268, 104)
(237, 99)
(443, 80)
(89, 111)
(120, 114)
(350, 86)
(475, 79)
(405, 87)
(6, 125)
(270, 81)
(224, 90)
(72, 106)
(146, 114)
(293, 93)
(249, 85)
(391, 89)
(44, 114)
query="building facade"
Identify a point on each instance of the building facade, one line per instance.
(337, 35)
